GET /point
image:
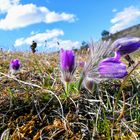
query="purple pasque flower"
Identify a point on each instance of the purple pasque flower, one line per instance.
(127, 45)
(15, 64)
(112, 68)
(67, 64)
(67, 60)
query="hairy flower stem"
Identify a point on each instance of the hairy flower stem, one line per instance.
(12, 97)
(67, 89)
(80, 82)
(94, 87)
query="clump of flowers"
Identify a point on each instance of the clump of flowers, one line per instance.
(101, 64)
(98, 52)
(14, 66)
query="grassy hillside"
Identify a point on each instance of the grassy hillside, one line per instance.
(131, 31)
(33, 104)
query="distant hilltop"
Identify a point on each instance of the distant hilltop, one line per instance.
(131, 31)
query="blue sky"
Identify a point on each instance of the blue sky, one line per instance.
(67, 21)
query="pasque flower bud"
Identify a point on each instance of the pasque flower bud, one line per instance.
(67, 64)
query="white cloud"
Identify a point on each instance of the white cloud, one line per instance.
(54, 17)
(19, 15)
(124, 18)
(7, 4)
(52, 38)
(39, 37)
(66, 44)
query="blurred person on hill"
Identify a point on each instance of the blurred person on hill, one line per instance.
(33, 46)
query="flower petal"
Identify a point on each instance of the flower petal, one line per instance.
(127, 45)
(112, 69)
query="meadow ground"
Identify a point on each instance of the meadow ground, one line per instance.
(33, 105)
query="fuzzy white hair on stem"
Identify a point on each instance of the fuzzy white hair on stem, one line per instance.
(98, 51)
